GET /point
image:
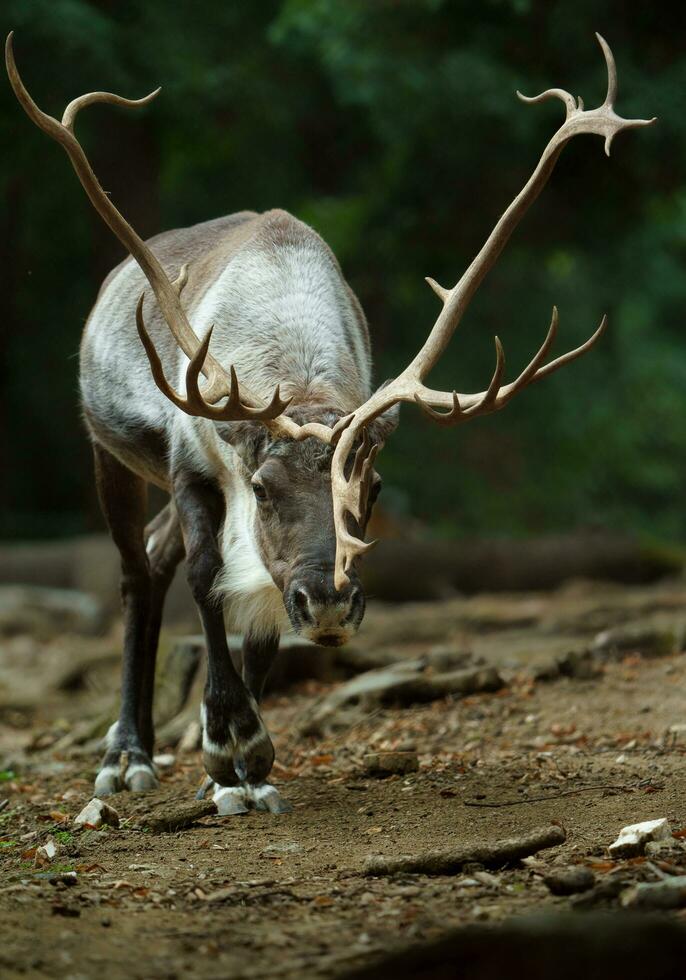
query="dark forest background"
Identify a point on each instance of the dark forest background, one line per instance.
(393, 128)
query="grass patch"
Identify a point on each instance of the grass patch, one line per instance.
(7, 775)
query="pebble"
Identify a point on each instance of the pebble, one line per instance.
(390, 763)
(666, 848)
(632, 839)
(95, 814)
(46, 853)
(164, 761)
(570, 881)
(277, 850)
(486, 878)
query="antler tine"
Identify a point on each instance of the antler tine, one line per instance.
(494, 387)
(195, 403)
(484, 403)
(93, 98)
(552, 93)
(154, 358)
(179, 283)
(529, 372)
(611, 96)
(571, 355)
(451, 417)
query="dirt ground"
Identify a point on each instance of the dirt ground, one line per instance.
(266, 896)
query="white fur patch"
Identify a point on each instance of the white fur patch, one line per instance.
(111, 735)
(253, 602)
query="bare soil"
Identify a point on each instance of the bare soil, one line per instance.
(266, 896)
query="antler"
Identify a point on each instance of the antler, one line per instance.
(241, 403)
(409, 385)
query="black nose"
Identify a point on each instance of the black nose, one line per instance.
(317, 606)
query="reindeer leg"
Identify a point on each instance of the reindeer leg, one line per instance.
(237, 751)
(259, 653)
(123, 497)
(164, 546)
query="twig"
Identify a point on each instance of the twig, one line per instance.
(449, 862)
(552, 796)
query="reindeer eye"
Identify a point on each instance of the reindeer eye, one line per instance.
(259, 491)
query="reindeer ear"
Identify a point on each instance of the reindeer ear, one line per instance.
(248, 439)
(385, 424)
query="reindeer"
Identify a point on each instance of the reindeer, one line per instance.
(271, 477)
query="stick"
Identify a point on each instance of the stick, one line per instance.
(449, 862)
(552, 796)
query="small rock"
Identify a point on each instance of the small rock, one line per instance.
(390, 763)
(68, 911)
(95, 814)
(278, 850)
(549, 671)
(646, 640)
(605, 893)
(666, 848)
(164, 761)
(667, 894)
(582, 665)
(486, 878)
(570, 881)
(47, 853)
(633, 839)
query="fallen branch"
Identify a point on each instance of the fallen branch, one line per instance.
(552, 796)
(495, 855)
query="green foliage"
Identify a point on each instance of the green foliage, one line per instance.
(63, 836)
(392, 127)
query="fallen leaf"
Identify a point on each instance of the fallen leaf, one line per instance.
(59, 817)
(602, 865)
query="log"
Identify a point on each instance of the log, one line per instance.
(442, 568)
(449, 862)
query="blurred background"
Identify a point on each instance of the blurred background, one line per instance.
(393, 128)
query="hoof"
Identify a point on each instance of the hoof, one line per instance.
(232, 800)
(139, 776)
(107, 782)
(140, 779)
